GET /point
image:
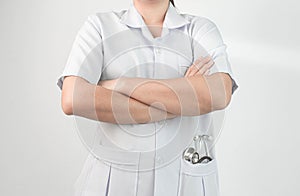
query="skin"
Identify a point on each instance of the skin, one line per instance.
(192, 95)
(112, 101)
(153, 13)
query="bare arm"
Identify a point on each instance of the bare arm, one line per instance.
(190, 96)
(97, 103)
(195, 94)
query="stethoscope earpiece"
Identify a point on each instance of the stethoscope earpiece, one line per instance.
(195, 158)
(188, 154)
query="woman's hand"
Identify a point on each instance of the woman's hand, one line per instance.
(201, 66)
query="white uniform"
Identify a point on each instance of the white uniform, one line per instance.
(145, 159)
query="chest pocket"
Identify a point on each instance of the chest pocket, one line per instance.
(180, 45)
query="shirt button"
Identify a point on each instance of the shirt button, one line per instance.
(159, 160)
(158, 51)
(162, 122)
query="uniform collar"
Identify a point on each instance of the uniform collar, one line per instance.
(133, 18)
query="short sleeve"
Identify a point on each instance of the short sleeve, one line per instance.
(208, 39)
(86, 56)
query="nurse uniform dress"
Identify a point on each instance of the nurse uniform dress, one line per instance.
(146, 159)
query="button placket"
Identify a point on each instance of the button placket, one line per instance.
(155, 56)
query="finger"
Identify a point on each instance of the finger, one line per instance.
(206, 66)
(198, 60)
(192, 70)
(202, 62)
(206, 72)
(203, 74)
(198, 63)
(187, 72)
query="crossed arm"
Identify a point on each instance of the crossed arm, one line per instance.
(142, 100)
(187, 96)
(94, 102)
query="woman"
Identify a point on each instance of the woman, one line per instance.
(150, 77)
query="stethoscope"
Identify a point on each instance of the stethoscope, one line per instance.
(192, 155)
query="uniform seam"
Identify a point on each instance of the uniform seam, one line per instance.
(179, 180)
(154, 170)
(90, 170)
(108, 181)
(203, 186)
(205, 34)
(87, 178)
(137, 176)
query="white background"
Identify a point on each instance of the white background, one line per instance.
(41, 153)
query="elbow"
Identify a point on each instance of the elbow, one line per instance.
(222, 101)
(227, 100)
(67, 102)
(217, 95)
(223, 93)
(67, 95)
(67, 106)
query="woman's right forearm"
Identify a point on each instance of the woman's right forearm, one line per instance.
(121, 109)
(101, 104)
